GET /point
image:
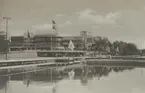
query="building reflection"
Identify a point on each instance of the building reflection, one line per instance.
(3, 81)
(83, 74)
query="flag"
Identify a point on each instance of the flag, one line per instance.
(54, 25)
(71, 45)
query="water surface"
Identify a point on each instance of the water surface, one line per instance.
(85, 79)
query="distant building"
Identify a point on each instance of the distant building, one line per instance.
(3, 42)
(88, 39)
(77, 41)
(85, 33)
(17, 43)
(29, 41)
(51, 40)
(47, 41)
(89, 42)
(2, 35)
(97, 38)
(84, 41)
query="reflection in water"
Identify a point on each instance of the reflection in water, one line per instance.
(71, 74)
(54, 89)
(84, 75)
(3, 81)
(53, 76)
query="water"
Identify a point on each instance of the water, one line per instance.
(85, 79)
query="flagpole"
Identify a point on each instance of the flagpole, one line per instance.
(54, 28)
(28, 39)
(7, 48)
(51, 42)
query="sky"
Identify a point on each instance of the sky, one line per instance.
(115, 19)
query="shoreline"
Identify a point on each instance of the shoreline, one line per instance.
(33, 54)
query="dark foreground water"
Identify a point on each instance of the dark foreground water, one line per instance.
(77, 79)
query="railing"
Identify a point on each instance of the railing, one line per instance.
(5, 63)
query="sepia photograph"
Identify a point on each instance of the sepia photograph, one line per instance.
(72, 46)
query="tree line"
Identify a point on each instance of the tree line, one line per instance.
(103, 45)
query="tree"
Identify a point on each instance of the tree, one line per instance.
(125, 48)
(130, 49)
(102, 44)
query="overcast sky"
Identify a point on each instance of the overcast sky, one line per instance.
(116, 19)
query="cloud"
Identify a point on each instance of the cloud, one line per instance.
(65, 24)
(90, 15)
(60, 15)
(143, 8)
(17, 32)
(49, 26)
(113, 16)
(42, 27)
(68, 23)
(32, 10)
(64, 34)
